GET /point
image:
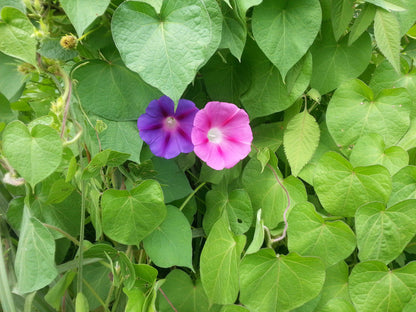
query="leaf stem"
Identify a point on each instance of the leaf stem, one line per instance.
(82, 225)
(67, 235)
(191, 195)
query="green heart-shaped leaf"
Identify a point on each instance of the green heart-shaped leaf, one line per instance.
(310, 235)
(354, 111)
(183, 293)
(35, 154)
(237, 205)
(336, 62)
(371, 150)
(219, 264)
(382, 234)
(129, 216)
(373, 287)
(341, 188)
(16, 33)
(171, 242)
(267, 194)
(404, 185)
(112, 91)
(284, 30)
(279, 283)
(167, 49)
(83, 13)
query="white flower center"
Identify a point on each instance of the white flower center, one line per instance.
(170, 122)
(214, 135)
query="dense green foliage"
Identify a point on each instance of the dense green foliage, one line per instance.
(319, 217)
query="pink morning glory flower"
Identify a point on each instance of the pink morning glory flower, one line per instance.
(221, 135)
(166, 131)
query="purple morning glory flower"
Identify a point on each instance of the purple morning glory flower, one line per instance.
(168, 133)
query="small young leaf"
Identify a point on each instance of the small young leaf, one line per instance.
(341, 15)
(300, 140)
(362, 22)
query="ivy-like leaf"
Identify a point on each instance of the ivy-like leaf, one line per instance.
(167, 49)
(277, 284)
(129, 216)
(374, 288)
(300, 140)
(284, 30)
(310, 235)
(382, 234)
(342, 189)
(83, 13)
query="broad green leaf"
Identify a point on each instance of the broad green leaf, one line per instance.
(146, 276)
(300, 140)
(170, 243)
(336, 284)
(406, 17)
(225, 78)
(173, 181)
(338, 305)
(123, 137)
(389, 5)
(267, 194)
(16, 32)
(258, 236)
(235, 203)
(341, 15)
(408, 141)
(234, 32)
(55, 294)
(326, 144)
(83, 13)
(233, 308)
(375, 288)
(354, 111)
(6, 114)
(18, 4)
(65, 215)
(411, 305)
(404, 185)
(336, 62)
(129, 216)
(59, 191)
(268, 93)
(341, 188)
(112, 91)
(268, 135)
(184, 293)
(244, 5)
(154, 45)
(97, 277)
(219, 264)
(385, 77)
(105, 158)
(135, 300)
(310, 235)
(42, 150)
(11, 80)
(35, 256)
(371, 150)
(362, 22)
(387, 34)
(382, 234)
(284, 30)
(279, 283)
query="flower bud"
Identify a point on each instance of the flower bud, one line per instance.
(69, 42)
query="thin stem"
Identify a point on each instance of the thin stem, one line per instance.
(67, 97)
(287, 207)
(82, 225)
(191, 195)
(67, 235)
(5, 293)
(167, 299)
